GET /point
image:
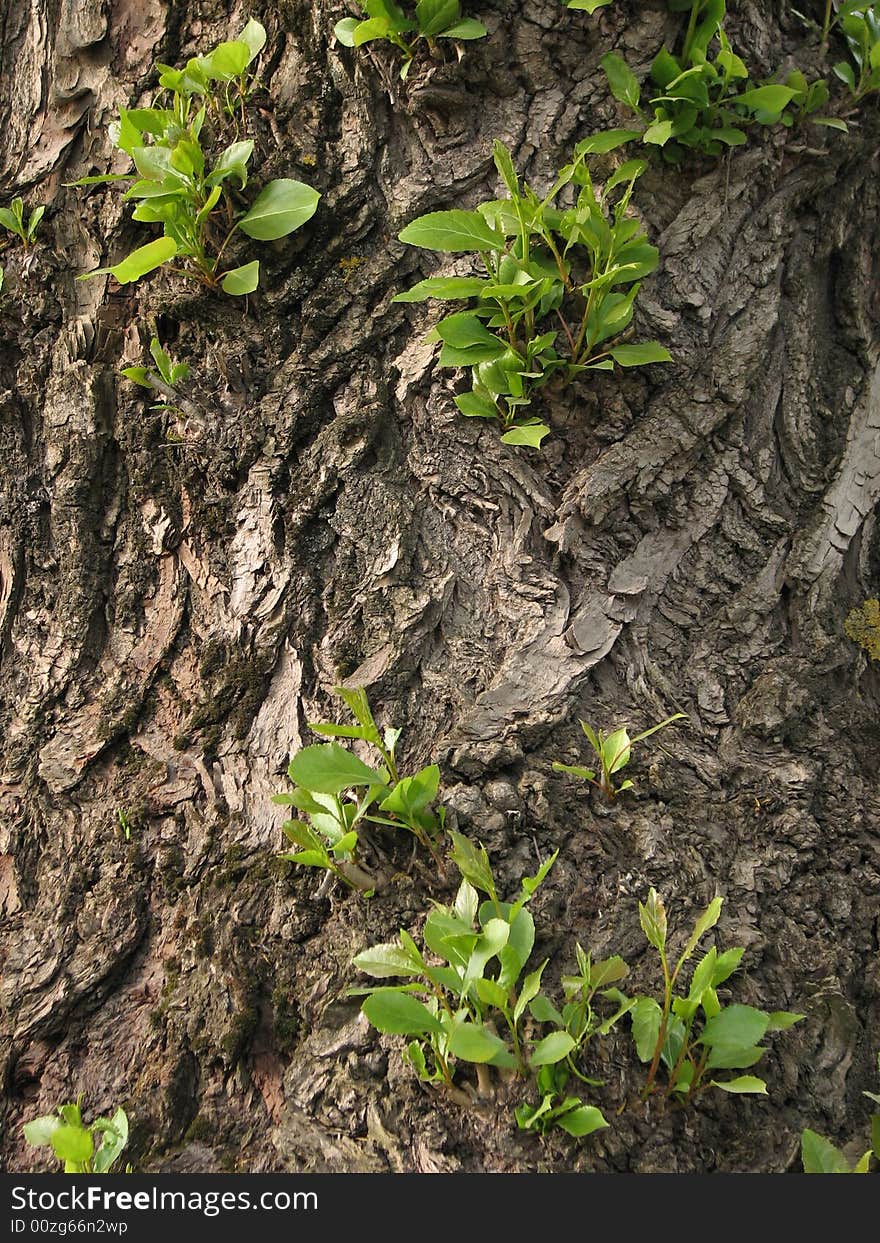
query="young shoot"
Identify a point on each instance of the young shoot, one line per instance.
(467, 998)
(12, 218)
(613, 753)
(556, 291)
(690, 1034)
(430, 20)
(182, 183)
(338, 794)
(82, 1149)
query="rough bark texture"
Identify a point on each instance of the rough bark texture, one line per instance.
(171, 615)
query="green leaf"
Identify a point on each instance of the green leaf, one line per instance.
(766, 98)
(281, 207)
(587, 6)
(744, 1085)
(399, 1014)
(466, 902)
(473, 863)
(623, 82)
(344, 31)
(582, 1121)
(707, 920)
(254, 36)
(39, 1131)
(228, 61)
(468, 28)
(327, 768)
(452, 231)
(652, 917)
(659, 133)
(605, 141)
(506, 170)
(645, 1017)
(138, 375)
(736, 1027)
(542, 1010)
(640, 355)
(447, 288)
(464, 331)
(530, 434)
(114, 1138)
(477, 1044)
(141, 261)
(781, 1020)
(476, 407)
(552, 1049)
(412, 795)
(432, 16)
(387, 960)
(531, 986)
(731, 1057)
(726, 964)
(243, 280)
(491, 993)
(72, 1144)
(232, 163)
(586, 774)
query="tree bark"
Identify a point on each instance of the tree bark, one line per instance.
(172, 613)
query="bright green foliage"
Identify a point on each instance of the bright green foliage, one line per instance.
(430, 20)
(13, 220)
(165, 376)
(692, 1035)
(860, 26)
(863, 627)
(83, 1149)
(703, 99)
(454, 1012)
(613, 753)
(589, 6)
(558, 292)
(180, 184)
(336, 793)
(820, 1156)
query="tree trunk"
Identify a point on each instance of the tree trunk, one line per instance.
(173, 612)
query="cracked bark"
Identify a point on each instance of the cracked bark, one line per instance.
(172, 615)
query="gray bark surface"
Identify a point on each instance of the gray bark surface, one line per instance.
(172, 614)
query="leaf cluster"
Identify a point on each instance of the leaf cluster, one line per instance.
(165, 376)
(336, 793)
(430, 20)
(613, 752)
(557, 289)
(83, 1149)
(180, 185)
(472, 1003)
(12, 218)
(704, 100)
(859, 23)
(692, 1034)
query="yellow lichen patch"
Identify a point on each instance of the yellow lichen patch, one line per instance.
(349, 265)
(863, 627)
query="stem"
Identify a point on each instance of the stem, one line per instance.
(517, 1048)
(826, 27)
(698, 1073)
(661, 1035)
(691, 31)
(567, 331)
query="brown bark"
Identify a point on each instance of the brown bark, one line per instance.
(171, 615)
